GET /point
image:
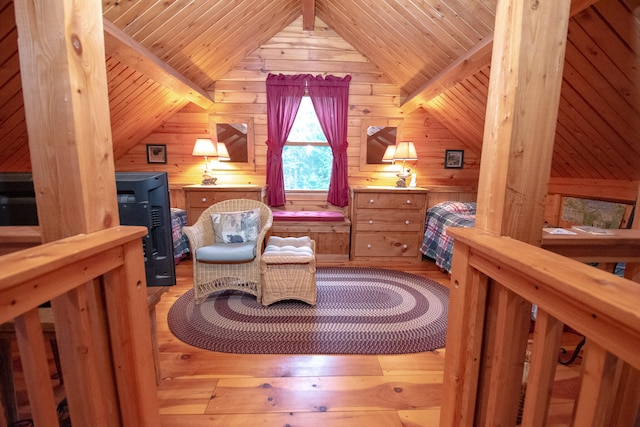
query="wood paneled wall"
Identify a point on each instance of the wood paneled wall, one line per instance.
(294, 51)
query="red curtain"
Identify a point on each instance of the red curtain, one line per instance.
(284, 94)
(330, 97)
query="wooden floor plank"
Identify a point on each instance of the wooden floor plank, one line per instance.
(185, 396)
(304, 419)
(325, 394)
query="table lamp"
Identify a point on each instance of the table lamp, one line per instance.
(206, 147)
(405, 150)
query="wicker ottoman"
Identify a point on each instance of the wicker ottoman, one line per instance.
(288, 267)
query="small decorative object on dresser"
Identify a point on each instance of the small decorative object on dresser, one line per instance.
(387, 223)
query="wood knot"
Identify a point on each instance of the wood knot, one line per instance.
(76, 43)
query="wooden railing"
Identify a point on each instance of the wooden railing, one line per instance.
(112, 262)
(493, 284)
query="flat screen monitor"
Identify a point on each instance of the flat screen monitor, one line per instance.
(143, 199)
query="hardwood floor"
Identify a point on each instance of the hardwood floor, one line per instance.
(204, 388)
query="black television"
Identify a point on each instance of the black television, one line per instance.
(143, 199)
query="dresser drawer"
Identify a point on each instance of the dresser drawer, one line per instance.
(368, 245)
(204, 199)
(389, 220)
(389, 201)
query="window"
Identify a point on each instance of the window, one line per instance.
(306, 157)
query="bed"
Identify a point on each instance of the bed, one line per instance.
(180, 241)
(436, 244)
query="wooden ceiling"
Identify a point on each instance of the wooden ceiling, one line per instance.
(161, 55)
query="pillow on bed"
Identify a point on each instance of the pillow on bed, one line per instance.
(236, 227)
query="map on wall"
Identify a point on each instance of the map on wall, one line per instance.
(593, 212)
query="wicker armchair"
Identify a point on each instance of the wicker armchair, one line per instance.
(212, 276)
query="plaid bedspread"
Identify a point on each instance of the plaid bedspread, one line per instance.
(180, 241)
(436, 244)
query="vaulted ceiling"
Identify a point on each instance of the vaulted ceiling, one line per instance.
(161, 55)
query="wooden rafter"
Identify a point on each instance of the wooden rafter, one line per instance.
(463, 67)
(308, 14)
(456, 72)
(121, 46)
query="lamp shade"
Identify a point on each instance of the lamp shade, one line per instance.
(387, 157)
(223, 153)
(405, 150)
(204, 147)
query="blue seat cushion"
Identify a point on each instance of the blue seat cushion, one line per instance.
(227, 252)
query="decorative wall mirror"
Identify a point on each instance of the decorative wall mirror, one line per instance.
(375, 135)
(236, 132)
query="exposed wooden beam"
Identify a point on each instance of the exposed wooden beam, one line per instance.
(517, 148)
(463, 67)
(308, 14)
(456, 72)
(120, 45)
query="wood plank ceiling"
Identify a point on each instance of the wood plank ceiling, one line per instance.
(426, 47)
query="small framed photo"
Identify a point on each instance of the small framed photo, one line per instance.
(453, 159)
(156, 153)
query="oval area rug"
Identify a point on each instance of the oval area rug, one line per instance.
(358, 311)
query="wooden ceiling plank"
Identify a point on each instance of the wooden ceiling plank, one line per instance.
(460, 69)
(213, 54)
(156, 20)
(233, 46)
(429, 33)
(7, 22)
(176, 31)
(462, 17)
(595, 135)
(624, 57)
(617, 112)
(8, 46)
(120, 45)
(388, 51)
(308, 15)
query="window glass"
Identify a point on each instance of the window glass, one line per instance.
(306, 157)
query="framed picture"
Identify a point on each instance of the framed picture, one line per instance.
(156, 153)
(453, 159)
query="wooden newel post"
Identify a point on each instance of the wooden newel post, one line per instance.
(524, 92)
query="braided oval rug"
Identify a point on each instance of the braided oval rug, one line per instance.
(358, 311)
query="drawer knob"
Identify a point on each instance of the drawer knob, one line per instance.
(204, 199)
(370, 221)
(369, 246)
(408, 201)
(371, 201)
(404, 248)
(407, 222)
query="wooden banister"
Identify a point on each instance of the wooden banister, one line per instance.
(599, 305)
(113, 260)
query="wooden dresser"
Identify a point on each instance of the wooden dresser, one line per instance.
(387, 223)
(199, 197)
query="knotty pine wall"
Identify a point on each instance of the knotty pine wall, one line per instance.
(294, 51)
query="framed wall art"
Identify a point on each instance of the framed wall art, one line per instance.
(156, 153)
(453, 159)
